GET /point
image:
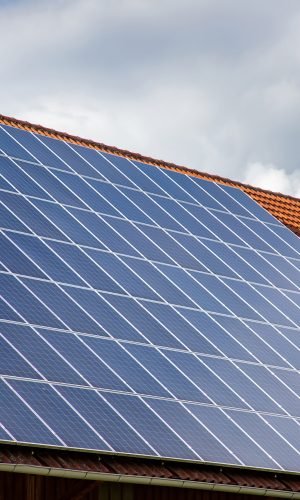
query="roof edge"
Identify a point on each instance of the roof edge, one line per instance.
(150, 481)
(40, 129)
(84, 465)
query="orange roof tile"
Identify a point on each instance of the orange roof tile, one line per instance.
(283, 207)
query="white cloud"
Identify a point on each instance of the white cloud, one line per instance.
(273, 178)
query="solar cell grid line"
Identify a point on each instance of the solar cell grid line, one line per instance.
(165, 423)
(290, 270)
(36, 152)
(21, 282)
(114, 179)
(6, 382)
(204, 192)
(49, 308)
(222, 380)
(86, 254)
(235, 315)
(126, 421)
(57, 352)
(33, 246)
(137, 377)
(213, 369)
(140, 303)
(5, 186)
(193, 326)
(167, 374)
(288, 457)
(69, 266)
(291, 379)
(258, 336)
(86, 229)
(290, 431)
(259, 237)
(201, 423)
(260, 357)
(291, 238)
(141, 365)
(5, 434)
(143, 172)
(274, 387)
(34, 368)
(228, 202)
(80, 416)
(207, 394)
(19, 178)
(241, 197)
(190, 325)
(11, 145)
(272, 306)
(136, 205)
(115, 372)
(44, 356)
(74, 360)
(284, 344)
(255, 441)
(169, 177)
(254, 249)
(60, 148)
(271, 274)
(288, 300)
(89, 184)
(63, 419)
(13, 412)
(35, 304)
(188, 408)
(90, 401)
(169, 190)
(135, 430)
(261, 388)
(273, 240)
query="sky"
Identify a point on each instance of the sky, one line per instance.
(209, 84)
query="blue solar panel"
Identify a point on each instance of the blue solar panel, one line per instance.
(143, 311)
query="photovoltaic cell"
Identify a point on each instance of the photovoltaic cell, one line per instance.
(143, 311)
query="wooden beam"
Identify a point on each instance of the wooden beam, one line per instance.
(80, 490)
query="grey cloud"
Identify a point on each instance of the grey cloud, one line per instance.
(209, 84)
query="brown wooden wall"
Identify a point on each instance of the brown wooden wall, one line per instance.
(29, 487)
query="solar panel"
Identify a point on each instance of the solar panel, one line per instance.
(143, 311)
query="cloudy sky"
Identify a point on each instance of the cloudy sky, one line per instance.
(209, 84)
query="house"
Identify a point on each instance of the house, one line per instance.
(149, 327)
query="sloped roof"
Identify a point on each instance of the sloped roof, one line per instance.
(286, 209)
(283, 207)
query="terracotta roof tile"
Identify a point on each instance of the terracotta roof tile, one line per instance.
(283, 207)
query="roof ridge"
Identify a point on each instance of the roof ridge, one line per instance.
(15, 122)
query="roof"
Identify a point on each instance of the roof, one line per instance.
(283, 207)
(151, 472)
(15, 458)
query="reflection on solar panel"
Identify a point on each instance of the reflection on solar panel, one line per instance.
(144, 311)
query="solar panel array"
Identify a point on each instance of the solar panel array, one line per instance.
(143, 311)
